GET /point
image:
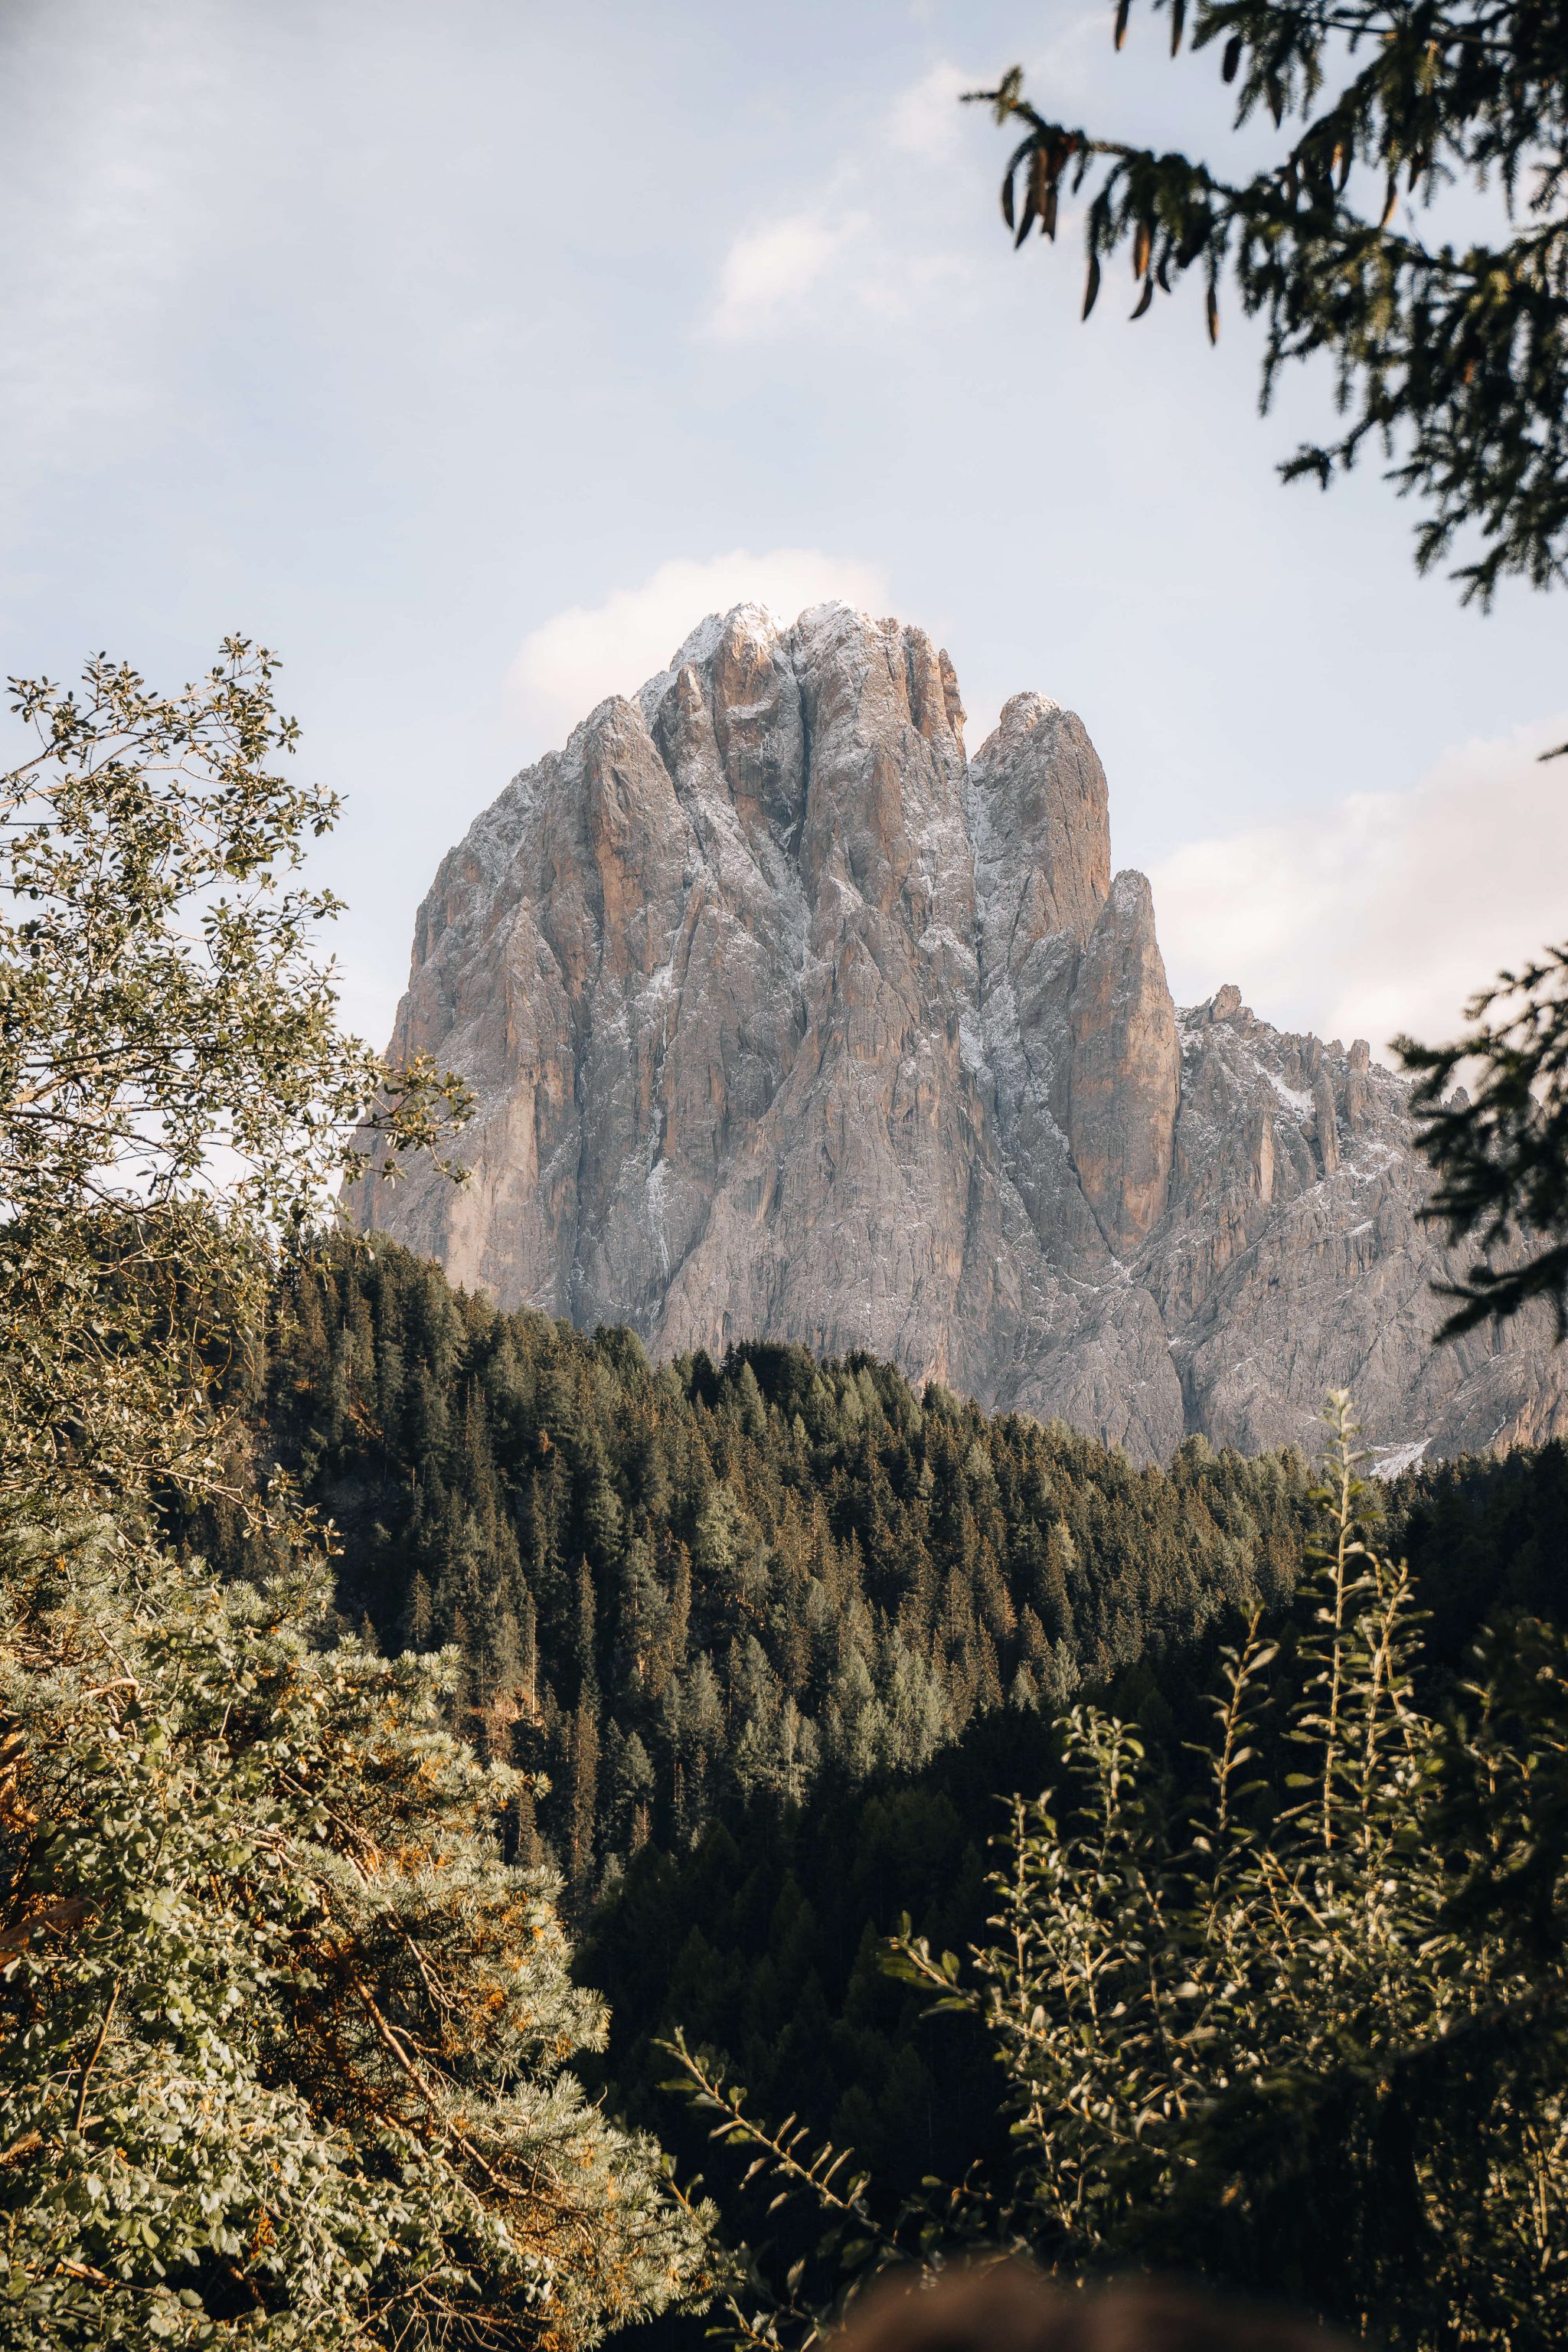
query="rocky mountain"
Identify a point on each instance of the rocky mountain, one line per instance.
(786, 1020)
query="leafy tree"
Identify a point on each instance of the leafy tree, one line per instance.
(173, 1088)
(1453, 359)
(1308, 2034)
(284, 2044)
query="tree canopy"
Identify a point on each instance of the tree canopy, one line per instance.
(286, 2043)
(680, 1585)
(175, 1090)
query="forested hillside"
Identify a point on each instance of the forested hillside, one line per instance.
(778, 1634)
(680, 1588)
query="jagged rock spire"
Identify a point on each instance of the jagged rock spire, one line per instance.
(787, 1021)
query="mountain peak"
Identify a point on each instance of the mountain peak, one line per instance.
(787, 1021)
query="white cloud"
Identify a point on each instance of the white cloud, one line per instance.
(1386, 911)
(877, 237)
(574, 661)
(927, 119)
(769, 272)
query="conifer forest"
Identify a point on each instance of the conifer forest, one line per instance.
(772, 1638)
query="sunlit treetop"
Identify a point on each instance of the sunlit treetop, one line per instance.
(176, 1094)
(167, 1024)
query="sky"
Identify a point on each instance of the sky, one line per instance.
(467, 351)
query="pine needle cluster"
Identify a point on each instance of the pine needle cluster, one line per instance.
(1451, 357)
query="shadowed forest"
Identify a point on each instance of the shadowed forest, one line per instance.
(773, 1635)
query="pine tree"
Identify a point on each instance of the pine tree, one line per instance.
(1296, 2019)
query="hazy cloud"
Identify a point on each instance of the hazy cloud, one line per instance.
(1389, 911)
(574, 661)
(927, 119)
(769, 272)
(877, 233)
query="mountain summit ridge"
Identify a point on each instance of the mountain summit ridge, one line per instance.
(788, 1021)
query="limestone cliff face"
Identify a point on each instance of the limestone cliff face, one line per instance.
(1126, 1078)
(787, 1021)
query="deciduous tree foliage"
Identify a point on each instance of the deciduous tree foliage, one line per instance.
(285, 2043)
(174, 1091)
